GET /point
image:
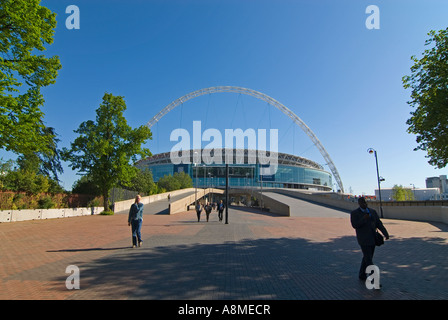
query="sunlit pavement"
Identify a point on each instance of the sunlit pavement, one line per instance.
(255, 256)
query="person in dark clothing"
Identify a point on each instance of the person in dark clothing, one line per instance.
(198, 210)
(220, 210)
(208, 209)
(366, 221)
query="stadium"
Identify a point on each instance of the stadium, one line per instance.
(292, 172)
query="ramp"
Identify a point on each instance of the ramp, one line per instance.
(302, 208)
(181, 205)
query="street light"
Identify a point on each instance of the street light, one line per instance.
(196, 181)
(371, 150)
(210, 193)
(413, 190)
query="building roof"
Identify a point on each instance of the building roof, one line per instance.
(248, 157)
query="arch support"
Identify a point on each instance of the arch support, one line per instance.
(262, 97)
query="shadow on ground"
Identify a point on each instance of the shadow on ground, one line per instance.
(282, 268)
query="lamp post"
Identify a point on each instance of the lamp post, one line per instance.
(371, 150)
(196, 182)
(413, 190)
(210, 193)
(227, 194)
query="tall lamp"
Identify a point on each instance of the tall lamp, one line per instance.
(371, 150)
(195, 181)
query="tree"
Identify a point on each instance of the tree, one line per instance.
(45, 162)
(106, 149)
(84, 185)
(399, 193)
(5, 168)
(24, 180)
(25, 29)
(143, 182)
(184, 179)
(180, 180)
(24, 175)
(429, 84)
(169, 183)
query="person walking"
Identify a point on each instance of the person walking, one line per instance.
(135, 220)
(198, 210)
(220, 210)
(366, 221)
(208, 209)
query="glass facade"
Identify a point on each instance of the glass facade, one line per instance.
(246, 175)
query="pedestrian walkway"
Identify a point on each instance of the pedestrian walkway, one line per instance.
(162, 206)
(255, 256)
(299, 208)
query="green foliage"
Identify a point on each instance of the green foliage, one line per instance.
(143, 182)
(429, 84)
(26, 178)
(169, 183)
(399, 193)
(25, 29)
(94, 203)
(106, 148)
(46, 203)
(175, 182)
(18, 201)
(107, 213)
(85, 185)
(26, 181)
(24, 200)
(184, 179)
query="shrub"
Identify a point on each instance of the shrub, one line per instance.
(45, 203)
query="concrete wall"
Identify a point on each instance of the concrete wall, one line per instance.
(325, 198)
(126, 204)
(273, 205)
(417, 212)
(181, 205)
(39, 214)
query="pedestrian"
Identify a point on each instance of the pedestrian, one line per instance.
(366, 222)
(198, 210)
(220, 210)
(135, 220)
(208, 209)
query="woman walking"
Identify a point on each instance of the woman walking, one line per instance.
(135, 220)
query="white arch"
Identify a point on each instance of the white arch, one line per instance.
(260, 96)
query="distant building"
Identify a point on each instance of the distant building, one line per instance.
(421, 194)
(439, 182)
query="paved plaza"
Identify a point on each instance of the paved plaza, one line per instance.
(256, 256)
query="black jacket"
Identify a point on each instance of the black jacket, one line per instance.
(366, 226)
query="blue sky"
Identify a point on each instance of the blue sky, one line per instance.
(316, 57)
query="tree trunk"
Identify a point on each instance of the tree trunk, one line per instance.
(106, 200)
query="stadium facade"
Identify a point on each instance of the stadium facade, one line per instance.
(244, 172)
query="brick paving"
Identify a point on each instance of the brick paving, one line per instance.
(255, 256)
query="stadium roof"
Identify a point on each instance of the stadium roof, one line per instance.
(250, 157)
